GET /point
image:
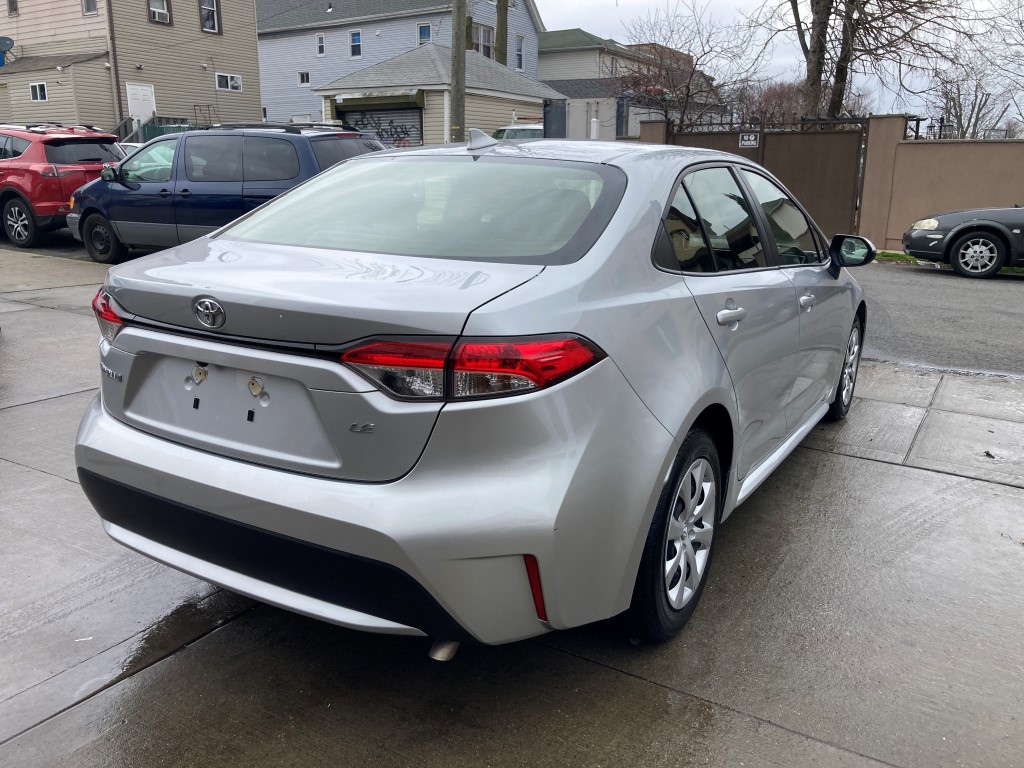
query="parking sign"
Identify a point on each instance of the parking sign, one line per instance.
(749, 140)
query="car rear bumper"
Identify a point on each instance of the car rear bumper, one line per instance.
(925, 244)
(438, 552)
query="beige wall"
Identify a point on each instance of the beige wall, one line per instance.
(490, 113)
(94, 94)
(433, 117)
(60, 97)
(41, 23)
(173, 57)
(928, 177)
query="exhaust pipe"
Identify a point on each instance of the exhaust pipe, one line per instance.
(443, 650)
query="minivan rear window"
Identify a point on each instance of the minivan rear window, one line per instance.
(333, 149)
(70, 151)
(485, 208)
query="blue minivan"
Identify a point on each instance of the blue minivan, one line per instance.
(182, 186)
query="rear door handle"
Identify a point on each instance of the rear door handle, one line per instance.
(730, 316)
(807, 301)
(185, 193)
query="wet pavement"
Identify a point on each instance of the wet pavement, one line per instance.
(864, 609)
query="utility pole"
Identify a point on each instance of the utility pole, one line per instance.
(501, 34)
(458, 84)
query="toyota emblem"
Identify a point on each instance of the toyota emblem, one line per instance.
(209, 312)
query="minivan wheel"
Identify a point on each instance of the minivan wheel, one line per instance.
(977, 254)
(100, 240)
(20, 224)
(840, 404)
(677, 556)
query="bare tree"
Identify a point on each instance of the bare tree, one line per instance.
(895, 40)
(772, 101)
(683, 60)
(970, 96)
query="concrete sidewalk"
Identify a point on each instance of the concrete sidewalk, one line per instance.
(865, 608)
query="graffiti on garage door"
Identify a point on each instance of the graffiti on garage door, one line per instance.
(394, 127)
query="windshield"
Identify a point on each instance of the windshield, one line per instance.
(449, 207)
(333, 150)
(67, 151)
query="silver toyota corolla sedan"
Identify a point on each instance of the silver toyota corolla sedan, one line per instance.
(474, 392)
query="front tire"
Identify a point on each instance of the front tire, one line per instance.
(840, 405)
(100, 241)
(20, 223)
(977, 254)
(677, 556)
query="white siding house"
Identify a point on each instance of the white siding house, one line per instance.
(306, 47)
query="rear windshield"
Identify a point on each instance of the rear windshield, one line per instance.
(524, 133)
(449, 207)
(66, 151)
(333, 150)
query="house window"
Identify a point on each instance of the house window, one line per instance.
(88, 7)
(227, 82)
(520, 52)
(483, 40)
(12, 7)
(321, 44)
(160, 11)
(304, 77)
(209, 16)
(355, 44)
(264, 114)
(38, 91)
(423, 32)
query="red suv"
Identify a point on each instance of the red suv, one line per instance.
(40, 167)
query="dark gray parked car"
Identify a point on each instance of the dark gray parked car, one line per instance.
(976, 243)
(472, 392)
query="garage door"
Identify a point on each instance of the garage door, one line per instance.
(395, 127)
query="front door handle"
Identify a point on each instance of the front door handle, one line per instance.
(807, 301)
(165, 193)
(185, 193)
(730, 316)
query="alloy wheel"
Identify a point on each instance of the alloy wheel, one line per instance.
(850, 364)
(978, 255)
(17, 223)
(689, 533)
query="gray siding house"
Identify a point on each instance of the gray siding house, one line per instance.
(304, 46)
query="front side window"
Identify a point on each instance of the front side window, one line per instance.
(483, 40)
(321, 44)
(153, 163)
(303, 77)
(446, 207)
(520, 51)
(88, 7)
(424, 33)
(727, 219)
(209, 15)
(355, 40)
(160, 11)
(269, 160)
(213, 158)
(37, 91)
(792, 232)
(226, 82)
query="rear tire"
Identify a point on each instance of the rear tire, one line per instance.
(677, 556)
(100, 240)
(20, 223)
(977, 254)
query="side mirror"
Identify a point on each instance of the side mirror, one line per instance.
(850, 251)
(108, 174)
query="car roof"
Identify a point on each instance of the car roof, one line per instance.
(605, 152)
(539, 126)
(38, 131)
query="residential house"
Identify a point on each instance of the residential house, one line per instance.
(101, 62)
(305, 45)
(406, 100)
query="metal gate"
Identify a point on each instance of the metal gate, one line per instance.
(820, 161)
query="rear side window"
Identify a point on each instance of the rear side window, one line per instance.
(270, 159)
(213, 158)
(68, 151)
(725, 212)
(333, 150)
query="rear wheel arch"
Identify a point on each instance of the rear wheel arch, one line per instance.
(717, 423)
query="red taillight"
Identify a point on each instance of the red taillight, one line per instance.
(431, 369)
(407, 369)
(44, 170)
(533, 574)
(485, 368)
(109, 320)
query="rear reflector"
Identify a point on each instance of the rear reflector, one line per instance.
(533, 574)
(431, 369)
(107, 316)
